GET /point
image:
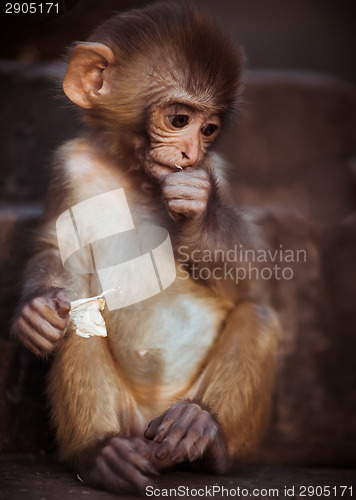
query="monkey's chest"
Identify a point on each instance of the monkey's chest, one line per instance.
(163, 342)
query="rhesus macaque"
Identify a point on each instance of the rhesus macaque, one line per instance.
(188, 378)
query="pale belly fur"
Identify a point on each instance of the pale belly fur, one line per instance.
(165, 340)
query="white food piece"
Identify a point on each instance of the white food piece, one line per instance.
(86, 317)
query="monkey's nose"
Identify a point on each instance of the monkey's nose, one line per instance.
(190, 156)
(190, 146)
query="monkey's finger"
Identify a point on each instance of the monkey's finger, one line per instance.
(192, 445)
(184, 193)
(158, 427)
(195, 443)
(32, 339)
(41, 325)
(123, 467)
(163, 429)
(62, 304)
(130, 452)
(180, 454)
(195, 452)
(110, 480)
(201, 434)
(143, 464)
(187, 451)
(174, 442)
(152, 427)
(186, 207)
(188, 177)
(141, 447)
(190, 448)
(169, 446)
(47, 310)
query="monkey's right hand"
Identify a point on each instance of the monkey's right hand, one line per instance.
(42, 322)
(121, 465)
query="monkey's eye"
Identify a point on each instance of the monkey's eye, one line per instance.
(179, 121)
(209, 129)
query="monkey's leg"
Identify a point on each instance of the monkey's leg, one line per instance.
(238, 381)
(96, 417)
(230, 408)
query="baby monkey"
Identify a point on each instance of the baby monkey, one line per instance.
(188, 378)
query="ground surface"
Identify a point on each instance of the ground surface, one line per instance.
(42, 478)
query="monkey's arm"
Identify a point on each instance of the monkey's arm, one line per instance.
(208, 222)
(42, 316)
(235, 386)
(43, 313)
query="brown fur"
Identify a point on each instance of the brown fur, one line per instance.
(206, 344)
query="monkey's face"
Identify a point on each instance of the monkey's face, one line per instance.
(179, 137)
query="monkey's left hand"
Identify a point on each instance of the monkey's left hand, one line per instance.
(186, 193)
(189, 432)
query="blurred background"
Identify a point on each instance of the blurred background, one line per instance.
(317, 35)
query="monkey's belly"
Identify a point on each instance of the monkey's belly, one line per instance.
(164, 341)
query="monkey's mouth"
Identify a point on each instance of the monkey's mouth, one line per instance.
(160, 170)
(170, 167)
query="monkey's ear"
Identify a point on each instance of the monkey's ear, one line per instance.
(86, 78)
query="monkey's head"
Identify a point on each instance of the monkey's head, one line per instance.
(158, 83)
